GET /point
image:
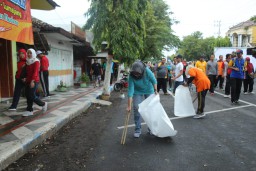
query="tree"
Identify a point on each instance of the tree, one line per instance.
(253, 18)
(194, 45)
(120, 23)
(133, 29)
(159, 35)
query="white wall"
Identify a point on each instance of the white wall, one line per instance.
(60, 58)
(225, 50)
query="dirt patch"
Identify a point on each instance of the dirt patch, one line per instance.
(71, 146)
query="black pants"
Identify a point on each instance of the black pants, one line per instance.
(227, 86)
(170, 82)
(162, 83)
(221, 79)
(248, 83)
(31, 97)
(44, 78)
(212, 79)
(236, 85)
(201, 101)
(17, 92)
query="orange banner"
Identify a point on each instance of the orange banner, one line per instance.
(15, 21)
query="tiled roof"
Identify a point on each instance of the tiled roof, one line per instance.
(243, 24)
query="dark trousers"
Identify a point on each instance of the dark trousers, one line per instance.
(31, 97)
(170, 82)
(44, 78)
(162, 83)
(17, 92)
(201, 101)
(236, 85)
(212, 79)
(227, 86)
(248, 83)
(176, 84)
(221, 79)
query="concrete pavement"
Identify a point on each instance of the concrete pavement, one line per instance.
(19, 134)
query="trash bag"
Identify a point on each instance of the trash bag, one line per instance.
(183, 105)
(155, 117)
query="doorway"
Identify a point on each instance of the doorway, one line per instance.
(6, 74)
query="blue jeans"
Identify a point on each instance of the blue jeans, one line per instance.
(137, 99)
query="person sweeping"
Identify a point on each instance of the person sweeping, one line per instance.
(202, 84)
(142, 83)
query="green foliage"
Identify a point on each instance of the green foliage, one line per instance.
(84, 78)
(253, 18)
(194, 45)
(133, 29)
(159, 35)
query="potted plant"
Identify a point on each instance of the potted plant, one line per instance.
(84, 79)
(62, 87)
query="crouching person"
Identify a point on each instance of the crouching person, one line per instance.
(142, 84)
(202, 84)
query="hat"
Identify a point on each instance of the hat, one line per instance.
(179, 56)
(239, 51)
(247, 58)
(38, 52)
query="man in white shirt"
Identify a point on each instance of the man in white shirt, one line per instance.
(178, 77)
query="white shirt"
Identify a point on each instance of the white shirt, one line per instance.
(178, 68)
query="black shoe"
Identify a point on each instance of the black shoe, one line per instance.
(12, 108)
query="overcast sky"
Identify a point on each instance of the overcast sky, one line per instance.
(193, 15)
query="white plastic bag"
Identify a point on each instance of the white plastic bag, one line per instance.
(155, 117)
(183, 105)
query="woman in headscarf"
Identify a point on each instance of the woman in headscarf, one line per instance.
(202, 84)
(19, 82)
(142, 83)
(32, 81)
(249, 77)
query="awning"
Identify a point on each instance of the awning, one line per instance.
(43, 4)
(100, 55)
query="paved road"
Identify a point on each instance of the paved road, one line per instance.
(224, 140)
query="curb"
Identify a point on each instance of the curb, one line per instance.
(22, 146)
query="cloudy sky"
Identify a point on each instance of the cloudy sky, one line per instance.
(194, 15)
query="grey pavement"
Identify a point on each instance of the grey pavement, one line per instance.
(19, 134)
(224, 140)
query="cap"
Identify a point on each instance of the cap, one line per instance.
(239, 51)
(38, 52)
(179, 56)
(247, 58)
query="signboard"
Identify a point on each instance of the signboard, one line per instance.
(76, 30)
(15, 21)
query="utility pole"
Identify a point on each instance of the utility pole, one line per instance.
(218, 25)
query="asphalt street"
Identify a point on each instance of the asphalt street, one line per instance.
(224, 140)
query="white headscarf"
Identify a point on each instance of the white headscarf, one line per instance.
(33, 59)
(187, 70)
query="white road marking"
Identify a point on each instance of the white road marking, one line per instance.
(239, 100)
(207, 113)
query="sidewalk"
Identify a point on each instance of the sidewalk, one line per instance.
(19, 134)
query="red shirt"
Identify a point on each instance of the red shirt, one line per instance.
(20, 64)
(33, 72)
(44, 64)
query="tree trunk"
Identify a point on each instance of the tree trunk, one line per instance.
(119, 72)
(106, 86)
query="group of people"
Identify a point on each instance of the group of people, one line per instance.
(97, 72)
(32, 68)
(146, 79)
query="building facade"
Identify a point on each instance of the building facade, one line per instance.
(243, 34)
